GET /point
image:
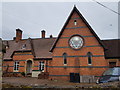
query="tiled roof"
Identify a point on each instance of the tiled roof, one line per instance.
(15, 46)
(2, 46)
(113, 48)
(40, 47)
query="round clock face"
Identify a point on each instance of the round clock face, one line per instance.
(76, 42)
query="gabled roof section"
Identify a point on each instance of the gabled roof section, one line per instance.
(14, 46)
(42, 47)
(113, 48)
(39, 47)
(91, 30)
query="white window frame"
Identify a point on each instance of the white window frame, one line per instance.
(42, 66)
(16, 66)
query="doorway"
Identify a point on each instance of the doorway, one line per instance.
(75, 77)
(29, 67)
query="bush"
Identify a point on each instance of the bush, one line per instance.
(23, 73)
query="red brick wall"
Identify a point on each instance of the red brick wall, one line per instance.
(59, 68)
(36, 65)
(22, 58)
(8, 63)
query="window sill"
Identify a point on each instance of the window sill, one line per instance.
(15, 71)
(89, 64)
(65, 64)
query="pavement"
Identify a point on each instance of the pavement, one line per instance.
(45, 83)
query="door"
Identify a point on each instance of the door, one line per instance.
(29, 67)
(75, 77)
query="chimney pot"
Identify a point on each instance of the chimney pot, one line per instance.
(51, 36)
(43, 33)
(14, 38)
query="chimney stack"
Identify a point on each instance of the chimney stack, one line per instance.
(43, 33)
(18, 35)
(51, 36)
(14, 38)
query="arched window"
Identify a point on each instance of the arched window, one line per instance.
(89, 54)
(75, 22)
(64, 58)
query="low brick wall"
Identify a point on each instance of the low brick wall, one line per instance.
(12, 75)
(88, 79)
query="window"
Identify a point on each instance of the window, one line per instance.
(75, 22)
(65, 58)
(89, 54)
(24, 46)
(16, 66)
(41, 66)
(112, 64)
(76, 42)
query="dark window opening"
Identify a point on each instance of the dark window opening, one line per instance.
(112, 64)
(89, 54)
(65, 58)
(24, 46)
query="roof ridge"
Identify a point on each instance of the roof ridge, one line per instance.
(109, 39)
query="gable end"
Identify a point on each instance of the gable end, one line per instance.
(91, 30)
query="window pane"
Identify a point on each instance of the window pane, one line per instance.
(89, 54)
(108, 72)
(65, 58)
(89, 60)
(75, 22)
(41, 66)
(16, 65)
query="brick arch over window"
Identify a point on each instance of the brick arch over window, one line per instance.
(64, 58)
(89, 55)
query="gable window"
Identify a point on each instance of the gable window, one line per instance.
(89, 54)
(16, 65)
(41, 66)
(24, 46)
(75, 22)
(65, 58)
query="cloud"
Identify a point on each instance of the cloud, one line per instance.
(34, 17)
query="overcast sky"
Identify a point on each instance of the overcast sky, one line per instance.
(32, 17)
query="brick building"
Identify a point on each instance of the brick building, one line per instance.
(77, 54)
